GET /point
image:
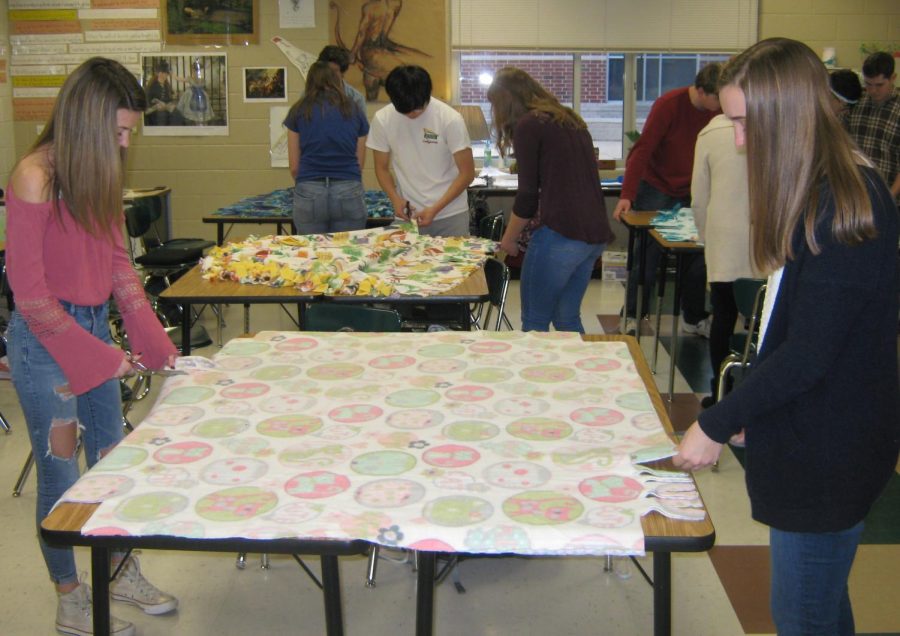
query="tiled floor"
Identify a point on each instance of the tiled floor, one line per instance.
(720, 593)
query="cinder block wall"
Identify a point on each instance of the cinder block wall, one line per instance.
(7, 142)
(842, 24)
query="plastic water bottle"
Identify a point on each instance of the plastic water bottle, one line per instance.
(487, 155)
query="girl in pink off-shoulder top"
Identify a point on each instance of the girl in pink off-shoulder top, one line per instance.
(65, 256)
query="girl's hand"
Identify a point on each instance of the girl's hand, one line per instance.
(696, 450)
(510, 245)
(125, 369)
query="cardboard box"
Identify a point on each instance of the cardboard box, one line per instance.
(614, 264)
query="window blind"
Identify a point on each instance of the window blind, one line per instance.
(612, 25)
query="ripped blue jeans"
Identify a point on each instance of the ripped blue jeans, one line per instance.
(47, 403)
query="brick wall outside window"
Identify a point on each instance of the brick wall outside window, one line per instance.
(553, 71)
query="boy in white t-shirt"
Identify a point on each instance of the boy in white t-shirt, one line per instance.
(426, 143)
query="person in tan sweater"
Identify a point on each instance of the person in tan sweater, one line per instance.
(721, 205)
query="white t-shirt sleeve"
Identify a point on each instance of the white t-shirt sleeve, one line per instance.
(378, 139)
(457, 136)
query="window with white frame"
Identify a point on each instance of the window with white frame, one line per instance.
(595, 84)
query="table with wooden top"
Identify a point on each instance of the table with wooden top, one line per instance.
(192, 288)
(680, 249)
(662, 535)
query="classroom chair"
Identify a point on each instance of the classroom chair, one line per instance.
(496, 273)
(160, 259)
(490, 227)
(749, 294)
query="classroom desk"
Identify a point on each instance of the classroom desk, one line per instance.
(63, 527)
(638, 224)
(192, 288)
(680, 250)
(348, 446)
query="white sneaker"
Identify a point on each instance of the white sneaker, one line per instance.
(75, 615)
(700, 329)
(130, 586)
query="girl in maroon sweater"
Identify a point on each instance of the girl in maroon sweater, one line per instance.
(558, 175)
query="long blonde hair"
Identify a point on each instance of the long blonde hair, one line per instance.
(514, 93)
(795, 146)
(87, 164)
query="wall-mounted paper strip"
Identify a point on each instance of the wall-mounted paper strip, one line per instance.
(298, 57)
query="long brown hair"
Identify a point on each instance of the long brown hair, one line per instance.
(87, 165)
(795, 146)
(514, 93)
(323, 86)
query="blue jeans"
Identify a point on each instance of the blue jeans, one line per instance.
(555, 275)
(329, 205)
(809, 581)
(46, 402)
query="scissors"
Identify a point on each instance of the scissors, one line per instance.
(141, 369)
(407, 210)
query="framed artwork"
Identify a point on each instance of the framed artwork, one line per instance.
(268, 84)
(187, 95)
(415, 34)
(210, 21)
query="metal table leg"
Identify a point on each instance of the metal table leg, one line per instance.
(676, 315)
(425, 594)
(639, 289)
(629, 266)
(100, 582)
(660, 293)
(331, 591)
(662, 594)
(186, 329)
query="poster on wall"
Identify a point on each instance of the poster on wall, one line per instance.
(187, 95)
(296, 14)
(278, 138)
(210, 21)
(265, 84)
(383, 34)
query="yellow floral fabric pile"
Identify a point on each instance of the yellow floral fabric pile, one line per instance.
(397, 261)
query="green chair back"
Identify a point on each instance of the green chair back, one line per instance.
(332, 316)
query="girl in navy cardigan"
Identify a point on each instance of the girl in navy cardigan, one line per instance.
(821, 409)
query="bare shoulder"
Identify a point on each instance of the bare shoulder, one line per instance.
(31, 178)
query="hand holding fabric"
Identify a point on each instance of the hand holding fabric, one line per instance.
(696, 450)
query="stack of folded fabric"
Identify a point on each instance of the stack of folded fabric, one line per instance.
(676, 225)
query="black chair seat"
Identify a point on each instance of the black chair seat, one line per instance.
(174, 253)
